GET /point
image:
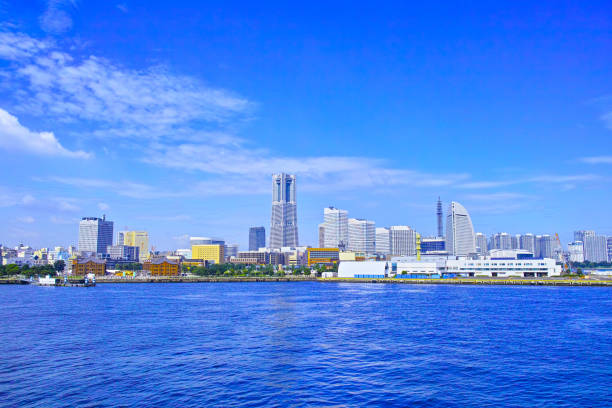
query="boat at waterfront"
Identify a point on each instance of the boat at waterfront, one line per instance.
(88, 281)
(46, 281)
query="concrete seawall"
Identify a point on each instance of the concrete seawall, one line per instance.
(454, 281)
(479, 281)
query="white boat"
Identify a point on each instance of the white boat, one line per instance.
(47, 281)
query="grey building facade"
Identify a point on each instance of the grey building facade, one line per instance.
(124, 252)
(95, 235)
(257, 238)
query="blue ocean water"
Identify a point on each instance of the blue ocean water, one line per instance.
(305, 344)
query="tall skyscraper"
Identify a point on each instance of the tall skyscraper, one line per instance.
(283, 223)
(579, 235)
(403, 240)
(544, 246)
(362, 235)
(609, 249)
(439, 214)
(95, 234)
(576, 251)
(459, 231)
(138, 239)
(481, 243)
(501, 240)
(257, 238)
(322, 235)
(516, 239)
(595, 248)
(383, 241)
(527, 242)
(335, 223)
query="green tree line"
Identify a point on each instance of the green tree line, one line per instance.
(41, 270)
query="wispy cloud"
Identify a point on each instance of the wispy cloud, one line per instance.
(596, 159)
(122, 7)
(499, 196)
(123, 188)
(150, 103)
(541, 179)
(14, 136)
(56, 18)
(26, 220)
(9, 198)
(169, 218)
(607, 118)
(17, 46)
(252, 166)
(63, 221)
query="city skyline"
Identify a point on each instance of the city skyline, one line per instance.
(98, 116)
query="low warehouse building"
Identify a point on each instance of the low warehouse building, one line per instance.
(368, 269)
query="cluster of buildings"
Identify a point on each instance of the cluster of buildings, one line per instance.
(360, 247)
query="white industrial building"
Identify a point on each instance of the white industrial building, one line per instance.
(362, 235)
(404, 267)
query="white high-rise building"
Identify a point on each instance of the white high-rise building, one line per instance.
(459, 231)
(403, 240)
(580, 235)
(383, 241)
(527, 242)
(544, 246)
(481, 243)
(283, 223)
(516, 239)
(335, 225)
(595, 248)
(95, 234)
(501, 240)
(576, 251)
(362, 235)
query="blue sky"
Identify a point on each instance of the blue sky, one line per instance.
(173, 119)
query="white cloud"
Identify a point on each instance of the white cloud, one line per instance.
(597, 159)
(499, 196)
(16, 46)
(103, 206)
(244, 169)
(123, 7)
(64, 204)
(55, 19)
(14, 136)
(63, 221)
(9, 198)
(26, 220)
(149, 103)
(123, 188)
(607, 118)
(545, 178)
(177, 217)
(27, 199)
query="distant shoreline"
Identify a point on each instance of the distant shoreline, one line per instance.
(454, 281)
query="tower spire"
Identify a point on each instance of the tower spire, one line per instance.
(439, 214)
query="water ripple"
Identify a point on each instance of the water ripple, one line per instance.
(305, 344)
